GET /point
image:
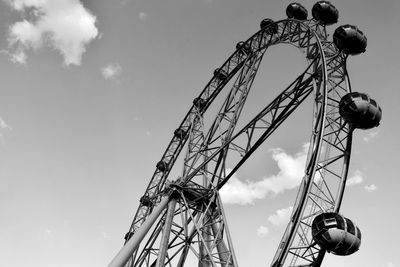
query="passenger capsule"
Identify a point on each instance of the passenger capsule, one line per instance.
(146, 201)
(267, 22)
(325, 12)
(199, 103)
(360, 111)
(350, 39)
(336, 234)
(128, 235)
(220, 74)
(243, 47)
(162, 166)
(296, 11)
(179, 133)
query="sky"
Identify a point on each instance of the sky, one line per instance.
(91, 92)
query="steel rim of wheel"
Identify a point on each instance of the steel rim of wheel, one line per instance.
(206, 232)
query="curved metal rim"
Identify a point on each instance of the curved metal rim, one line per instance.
(315, 147)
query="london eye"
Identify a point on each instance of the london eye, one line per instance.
(181, 220)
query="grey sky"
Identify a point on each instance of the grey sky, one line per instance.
(83, 127)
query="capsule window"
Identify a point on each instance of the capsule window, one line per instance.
(330, 222)
(369, 116)
(341, 249)
(340, 223)
(373, 102)
(326, 236)
(364, 97)
(358, 233)
(350, 227)
(353, 106)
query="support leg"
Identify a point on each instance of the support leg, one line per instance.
(126, 251)
(162, 253)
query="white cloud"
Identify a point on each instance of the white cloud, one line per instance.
(63, 25)
(370, 136)
(357, 178)
(262, 231)
(143, 16)
(48, 234)
(3, 128)
(18, 56)
(111, 71)
(4, 125)
(103, 233)
(371, 187)
(281, 216)
(390, 264)
(291, 171)
(238, 192)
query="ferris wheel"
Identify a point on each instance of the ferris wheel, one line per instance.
(181, 221)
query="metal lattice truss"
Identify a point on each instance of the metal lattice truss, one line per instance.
(183, 221)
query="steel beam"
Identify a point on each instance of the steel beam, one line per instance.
(166, 231)
(126, 251)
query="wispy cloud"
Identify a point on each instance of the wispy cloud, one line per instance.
(281, 216)
(111, 71)
(103, 233)
(3, 128)
(4, 125)
(18, 56)
(390, 264)
(63, 25)
(371, 188)
(143, 16)
(291, 171)
(47, 234)
(262, 231)
(370, 136)
(356, 178)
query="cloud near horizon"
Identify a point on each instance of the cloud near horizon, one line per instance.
(63, 25)
(291, 172)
